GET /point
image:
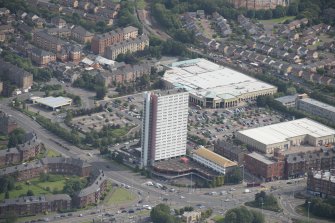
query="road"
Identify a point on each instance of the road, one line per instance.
(152, 195)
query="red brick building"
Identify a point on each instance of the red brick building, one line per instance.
(264, 167)
(100, 42)
(93, 193)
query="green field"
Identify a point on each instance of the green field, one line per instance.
(277, 20)
(38, 187)
(218, 218)
(119, 195)
(52, 153)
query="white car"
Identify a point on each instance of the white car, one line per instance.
(182, 197)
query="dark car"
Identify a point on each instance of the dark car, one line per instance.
(131, 211)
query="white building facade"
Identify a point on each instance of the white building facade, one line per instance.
(164, 126)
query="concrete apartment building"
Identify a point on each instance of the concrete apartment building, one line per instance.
(16, 75)
(81, 35)
(42, 57)
(213, 86)
(285, 135)
(321, 183)
(33, 205)
(164, 128)
(100, 42)
(128, 46)
(317, 108)
(47, 42)
(7, 124)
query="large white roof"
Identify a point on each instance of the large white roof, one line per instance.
(282, 132)
(54, 102)
(207, 79)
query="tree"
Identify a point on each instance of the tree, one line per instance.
(74, 185)
(101, 92)
(161, 214)
(292, 9)
(243, 215)
(7, 183)
(279, 11)
(30, 193)
(268, 14)
(234, 176)
(7, 195)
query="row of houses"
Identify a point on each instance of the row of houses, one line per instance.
(222, 24)
(190, 23)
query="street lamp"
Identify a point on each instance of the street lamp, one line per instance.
(309, 203)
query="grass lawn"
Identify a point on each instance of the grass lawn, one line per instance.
(140, 4)
(119, 195)
(38, 187)
(277, 20)
(52, 153)
(120, 132)
(218, 218)
(255, 204)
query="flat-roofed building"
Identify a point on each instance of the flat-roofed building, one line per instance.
(317, 108)
(213, 160)
(214, 86)
(264, 167)
(288, 101)
(286, 134)
(53, 102)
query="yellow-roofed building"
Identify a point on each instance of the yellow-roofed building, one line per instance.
(213, 160)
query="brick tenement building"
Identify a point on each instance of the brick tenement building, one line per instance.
(263, 167)
(16, 75)
(100, 42)
(81, 35)
(258, 4)
(7, 124)
(23, 152)
(297, 164)
(125, 74)
(55, 165)
(33, 205)
(47, 42)
(93, 193)
(42, 57)
(130, 45)
(321, 183)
